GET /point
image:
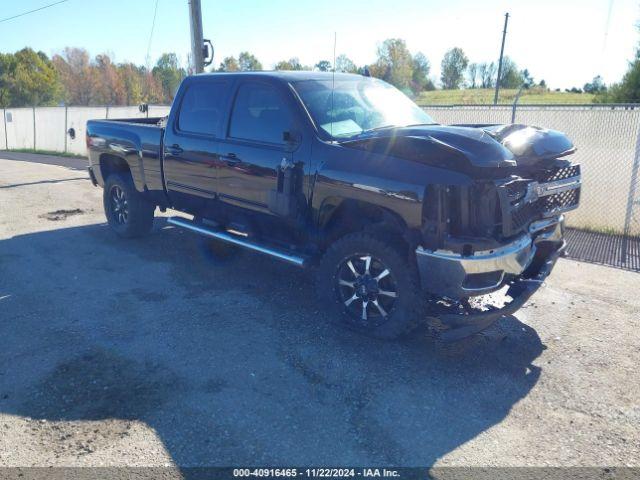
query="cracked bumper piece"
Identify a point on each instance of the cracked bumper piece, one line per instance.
(457, 276)
(461, 325)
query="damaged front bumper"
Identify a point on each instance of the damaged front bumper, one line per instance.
(523, 265)
(458, 276)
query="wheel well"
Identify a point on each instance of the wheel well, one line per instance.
(111, 164)
(349, 216)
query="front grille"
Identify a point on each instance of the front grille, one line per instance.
(518, 213)
(516, 190)
(525, 214)
(561, 201)
(560, 173)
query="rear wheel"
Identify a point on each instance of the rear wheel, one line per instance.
(370, 286)
(128, 213)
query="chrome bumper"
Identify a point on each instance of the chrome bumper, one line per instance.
(456, 276)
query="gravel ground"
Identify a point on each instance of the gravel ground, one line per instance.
(154, 352)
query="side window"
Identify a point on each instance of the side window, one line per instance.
(259, 114)
(202, 108)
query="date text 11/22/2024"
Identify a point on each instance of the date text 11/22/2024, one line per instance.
(316, 472)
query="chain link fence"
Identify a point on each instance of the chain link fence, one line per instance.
(606, 227)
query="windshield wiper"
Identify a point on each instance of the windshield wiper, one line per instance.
(383, 127)
(363, 132)
(369, 130)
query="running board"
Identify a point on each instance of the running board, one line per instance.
(241, 242)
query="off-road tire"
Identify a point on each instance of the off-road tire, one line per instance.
(120, 193)
(409, 305)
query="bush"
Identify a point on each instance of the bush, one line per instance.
(627, 91)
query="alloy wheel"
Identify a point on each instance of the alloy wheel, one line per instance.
(367, 289)
(119, 205)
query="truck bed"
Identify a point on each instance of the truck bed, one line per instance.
(139, 140)
(155, 121)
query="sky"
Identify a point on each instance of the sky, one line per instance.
(564, 42)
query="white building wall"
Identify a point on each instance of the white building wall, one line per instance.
(19, 128)
(77, 118)
(50, 128)
(125, 112)
(159, 110)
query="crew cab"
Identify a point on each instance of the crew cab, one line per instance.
(403, 220)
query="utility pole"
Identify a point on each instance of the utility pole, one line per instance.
(504, 36)
(197, 41)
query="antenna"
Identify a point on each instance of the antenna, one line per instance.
(333, 77)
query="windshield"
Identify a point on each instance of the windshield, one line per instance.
(358, 105)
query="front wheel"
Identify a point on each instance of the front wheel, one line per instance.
(370, 286)
(129, 214)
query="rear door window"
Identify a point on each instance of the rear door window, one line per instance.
(259, 114)
(202, 108)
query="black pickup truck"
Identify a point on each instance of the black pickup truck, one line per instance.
(404, 220)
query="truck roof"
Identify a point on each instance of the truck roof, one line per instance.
(288, 75)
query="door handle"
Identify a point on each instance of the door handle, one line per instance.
(174, 149)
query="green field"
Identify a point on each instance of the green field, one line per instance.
(507, 96)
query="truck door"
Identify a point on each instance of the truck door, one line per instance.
(191, 143)
(256, 161)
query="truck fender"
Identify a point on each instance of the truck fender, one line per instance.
(127, 149)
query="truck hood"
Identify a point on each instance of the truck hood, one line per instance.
(468, 148)
(531, 145)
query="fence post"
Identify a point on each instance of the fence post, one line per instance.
(66, 126)
(106, 115)
(515, 104)
(34, 127)
(6, 136)
(631, 202)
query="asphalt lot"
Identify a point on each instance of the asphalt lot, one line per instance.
(154, 352)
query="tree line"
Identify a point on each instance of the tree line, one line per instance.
(409, 72)
(628, 89)
(73, 77)
(29, 78)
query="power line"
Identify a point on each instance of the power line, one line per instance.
(504, 36)
(606, 35)
(153, 26)
(31, 11)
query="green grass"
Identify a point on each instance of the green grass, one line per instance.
(478, 96)
(45, 152)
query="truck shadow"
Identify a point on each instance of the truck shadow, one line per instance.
(231, 361)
